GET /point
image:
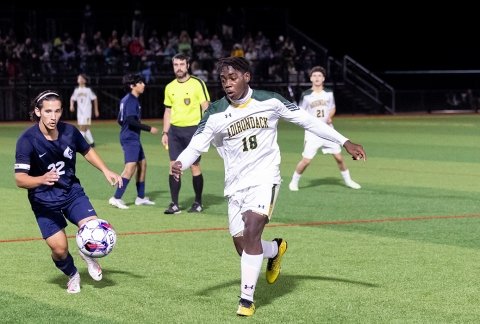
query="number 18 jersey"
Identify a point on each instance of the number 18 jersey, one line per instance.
(246, 136)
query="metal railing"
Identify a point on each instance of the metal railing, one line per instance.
(369, 84)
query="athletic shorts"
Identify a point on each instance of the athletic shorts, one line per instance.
(259, 199)
(84, 116)
(178, 140)
(313, 143)
(51, 221)
(133, 152)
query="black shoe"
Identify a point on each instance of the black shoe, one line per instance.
(196, 208)
(92, 145)
(172, 209)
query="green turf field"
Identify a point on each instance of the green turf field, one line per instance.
(403, 249)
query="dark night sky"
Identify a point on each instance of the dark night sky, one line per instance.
(401, 36)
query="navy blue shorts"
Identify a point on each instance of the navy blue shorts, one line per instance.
(51, 221)
(178, 140)
(133, 152)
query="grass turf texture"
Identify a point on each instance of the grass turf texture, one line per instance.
(404, 248)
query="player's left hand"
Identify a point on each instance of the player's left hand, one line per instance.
(114, 179)
(355, 150)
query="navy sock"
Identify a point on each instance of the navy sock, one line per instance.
(141, 189)
(66, 266)
(120, 191)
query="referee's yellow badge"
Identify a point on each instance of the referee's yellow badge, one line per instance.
(186, 101)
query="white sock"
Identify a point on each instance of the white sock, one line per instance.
(250, 268)
(88, 136)
(83, 134)
(346, 175)
(296, 177)
(270, 249)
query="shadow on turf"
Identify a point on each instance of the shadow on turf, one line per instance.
(208, 200)
(266, 293)
(323, 182)
(86, 280)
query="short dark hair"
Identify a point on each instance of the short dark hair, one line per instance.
(181, 57)
(318, 69)
(37, 102)
(131, 79)
(238, 63)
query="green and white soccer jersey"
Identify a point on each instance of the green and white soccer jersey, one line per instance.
(246, 137)
(318, 104)
(84, 96)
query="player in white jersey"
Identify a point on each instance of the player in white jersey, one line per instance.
(84, 96)
(321, 105)
(243, 126)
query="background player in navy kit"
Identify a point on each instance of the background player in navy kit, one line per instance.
(45, 165)
(129, 119)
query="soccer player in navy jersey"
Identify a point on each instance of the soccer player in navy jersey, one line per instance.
(129, 118)
(45, 161)
(243, 127)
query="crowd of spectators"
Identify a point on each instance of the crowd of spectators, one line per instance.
(275, 59)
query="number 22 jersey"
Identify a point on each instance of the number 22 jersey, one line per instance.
(36, 155)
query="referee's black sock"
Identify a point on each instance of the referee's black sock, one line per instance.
(198, 187)
(174, 188)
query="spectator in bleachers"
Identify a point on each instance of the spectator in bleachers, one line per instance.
(198, 71)
(125, 39)
(136, 50)
(237, 50)
(185, 43)
(46, 65)
(217, 47)
(227, 19)
(88, 21)
(138, 23)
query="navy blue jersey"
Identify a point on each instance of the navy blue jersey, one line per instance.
(129, 106)
(36, 156)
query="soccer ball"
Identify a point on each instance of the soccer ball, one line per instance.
(96, 238)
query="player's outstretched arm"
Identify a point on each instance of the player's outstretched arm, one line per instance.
(355, 150)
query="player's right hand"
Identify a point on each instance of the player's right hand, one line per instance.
(50, 177)
(355, 150)
(177, 170)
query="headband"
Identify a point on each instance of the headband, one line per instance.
(47, 94)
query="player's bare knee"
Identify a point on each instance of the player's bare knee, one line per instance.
(59, 253)
(254, 224)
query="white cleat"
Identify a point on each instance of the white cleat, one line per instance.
(94, 269)
(73, 285)
(119, 203)
(352, 184)
(143, 201)
(292, 186)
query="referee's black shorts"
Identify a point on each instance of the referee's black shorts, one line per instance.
(178, 140)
